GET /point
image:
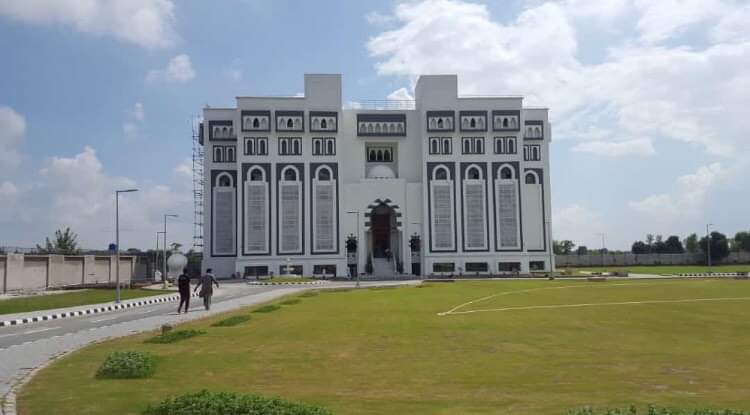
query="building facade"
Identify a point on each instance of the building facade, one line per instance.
(441, 185)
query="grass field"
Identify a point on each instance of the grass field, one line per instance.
(664, 269)
(388, 351)
(71, 299)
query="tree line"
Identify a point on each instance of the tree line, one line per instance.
(720, 245)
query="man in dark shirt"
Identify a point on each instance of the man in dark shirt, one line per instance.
(183, 283)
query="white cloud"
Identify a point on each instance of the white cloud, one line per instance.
(8, 191)
(184, 170)
(694, 95)
(233, 74)
(146, 23)
(639, 147)
(178, 70)
(12, 134)
(132, 128)
(688, 199)
(138, 113)
(379, 19)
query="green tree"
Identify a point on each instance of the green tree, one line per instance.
(63, 243)
(658, 246)
(691, 243)
(742, 241)
(563, 247)
(582, 250)
(719, 246)
(640, 247)
(673, 245)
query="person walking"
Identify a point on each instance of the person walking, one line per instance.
(183, 283)
(206, 284)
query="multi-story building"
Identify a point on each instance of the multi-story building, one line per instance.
(443, 184)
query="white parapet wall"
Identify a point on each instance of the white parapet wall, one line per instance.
(24, 273)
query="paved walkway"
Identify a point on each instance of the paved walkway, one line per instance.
(19, 360)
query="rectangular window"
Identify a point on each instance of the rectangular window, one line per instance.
(509, 266)
(472, 145)
(290, 146)
(440, 145)
(536, 265)
(218, 154)
(329, 270)
(256, 146)
(443, 267)
(324, 146)
(229, 154)
(290, 270)
(476, 267)
(532, 152)
(256, 271)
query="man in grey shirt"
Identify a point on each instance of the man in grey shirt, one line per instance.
(206, 284)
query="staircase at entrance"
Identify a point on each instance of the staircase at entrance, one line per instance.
(381, 267)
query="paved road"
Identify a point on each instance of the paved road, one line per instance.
(27, 347)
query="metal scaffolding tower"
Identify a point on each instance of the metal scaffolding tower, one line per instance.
(198, 181)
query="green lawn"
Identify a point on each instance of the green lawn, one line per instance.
(387, 351)
(71, 299)
(664, 269)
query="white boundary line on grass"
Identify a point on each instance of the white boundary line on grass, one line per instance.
(539, 307)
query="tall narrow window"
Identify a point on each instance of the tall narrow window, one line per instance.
(223, 216)
(324, 211)
(290, 211)
(474, 212)
(318, 145)
(256, 212)
(323, 124)
(446, 146)
(330, 149)
(441, 216)
(262, 147)
(506, 209)
(434, 146)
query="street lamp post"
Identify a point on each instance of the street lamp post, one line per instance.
(117, 239)
(164, 276)
(602, 235)
(708, 246)
(359, 242)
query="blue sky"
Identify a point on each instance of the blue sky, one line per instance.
(648, 99)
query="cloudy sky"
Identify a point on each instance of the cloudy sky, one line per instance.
(648, 99)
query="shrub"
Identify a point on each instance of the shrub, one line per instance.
(291, 301)
(221, 403)
(174, 336)
(309, 294)
(126, 365)
(231, 321)
(652, 410)
(267, 308)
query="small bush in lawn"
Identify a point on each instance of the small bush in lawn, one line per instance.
(231, 321)
(652, 410)
(126, 365)
(267, 308)
(220, 403)
(309, 294)
(291, 301)
(174, 336)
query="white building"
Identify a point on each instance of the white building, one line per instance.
(290, 179)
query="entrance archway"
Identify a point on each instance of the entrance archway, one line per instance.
(382, 226)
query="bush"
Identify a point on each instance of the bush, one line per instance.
(291, 301)
(224, 403)
(309, 294)
(652, 410)
(231, 321)
(267, 308)
(126, 365)
(174, 336)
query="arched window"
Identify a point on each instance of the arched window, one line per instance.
(289, 123)
(434, 146)
(331, 123)
(377, 128)
(225, 132)
(329, 147)
(318, 147)
(371, 156)
(296, 145)
(262, 147)
(448, 123)
(380, 155)
(473, 123)
(323, 124)
(316, 123)
(264, 123)
(512, 146)
(447, 146)
(249, 147)
(465, 122)
(473, 173)
(537, 132)
(467, 146)
(535, 153)
(480, 122)
(498, 146)
(284, 147)
(479, 146)
(256, 123)
(387, 155)
(323, 174)
(531, 178)
(290, 174)
(256, 175)
(369, 128)
(513, 123)
(506, 173)
(400, 127)
(440, 123)
(230, 154)
(505, 123)
(432, 123)
(217, 154)
(224, 180)
(440, 173)
(297, 123)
